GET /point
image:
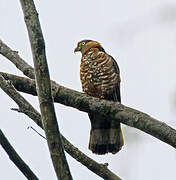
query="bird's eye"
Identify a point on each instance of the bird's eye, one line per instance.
(83, 43)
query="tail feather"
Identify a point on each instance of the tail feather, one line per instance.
(105, 136)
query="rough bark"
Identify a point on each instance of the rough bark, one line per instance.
(49, 120)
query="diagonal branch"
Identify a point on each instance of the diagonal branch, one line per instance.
(14, 57)
(114, 110)
(13, 155)
(49, 120)
(25, 107)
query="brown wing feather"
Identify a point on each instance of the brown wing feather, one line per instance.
(115, 96)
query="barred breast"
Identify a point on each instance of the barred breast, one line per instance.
(97, 73)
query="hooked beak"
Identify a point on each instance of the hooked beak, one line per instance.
(76, 50)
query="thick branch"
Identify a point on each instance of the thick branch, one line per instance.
(49, 120)
(22, 166)
(114, 110)
(25, 106)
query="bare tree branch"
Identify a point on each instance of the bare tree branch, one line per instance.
(16, 60)
(27, 108)
(17, 160)
(49, 120)
(113, 110)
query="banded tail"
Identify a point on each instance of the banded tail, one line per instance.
(105, 136)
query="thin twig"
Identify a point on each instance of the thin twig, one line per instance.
(30, 127)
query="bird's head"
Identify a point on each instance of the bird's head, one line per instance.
(84, 45)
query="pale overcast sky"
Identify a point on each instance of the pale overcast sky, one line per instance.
(141, 36)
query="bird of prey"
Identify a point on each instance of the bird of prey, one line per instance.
(100, 77)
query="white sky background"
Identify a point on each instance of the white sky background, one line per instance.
(141, 36)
